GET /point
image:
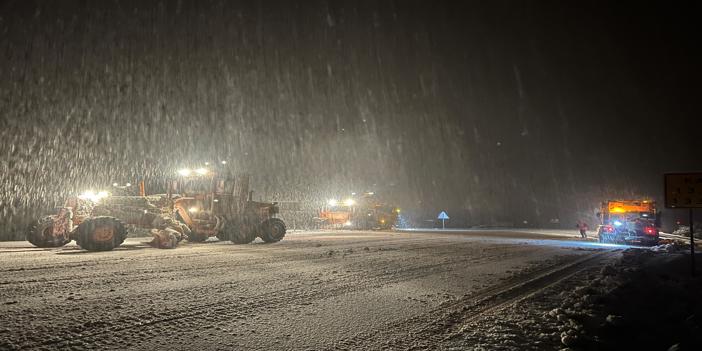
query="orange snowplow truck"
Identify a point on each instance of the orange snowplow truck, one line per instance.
(359, 212)
(628, 221)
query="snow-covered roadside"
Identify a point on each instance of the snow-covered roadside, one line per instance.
(645, 301)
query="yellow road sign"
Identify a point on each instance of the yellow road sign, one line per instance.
(683, 190)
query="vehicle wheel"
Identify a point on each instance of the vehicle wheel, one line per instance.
(100, 234)
(40, 234)
(242, 237)
(237, 234)
(194, 237)
(273, 230)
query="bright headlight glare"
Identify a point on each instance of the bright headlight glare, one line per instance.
(184, 172)
(201, 171)
(332, 202)
(193, 209)
(92, 196)
(349, 202)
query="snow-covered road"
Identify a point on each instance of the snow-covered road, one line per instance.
(314, 290)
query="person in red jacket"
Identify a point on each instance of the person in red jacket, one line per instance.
(582, 226)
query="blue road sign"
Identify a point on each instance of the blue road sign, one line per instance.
(443, 215)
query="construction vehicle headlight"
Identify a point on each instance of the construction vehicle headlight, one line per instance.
(332, 202)
(193, 209)
(93, 196)
(88, 195)
(349, 202)
(201, 171)
(184, 172)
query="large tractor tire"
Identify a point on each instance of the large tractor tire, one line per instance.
(273, 230)
(100, 234)
(237, 234)
(40, 234)
(241, 237)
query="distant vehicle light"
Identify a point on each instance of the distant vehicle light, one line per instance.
(332, 202)
(650, 230)
(397, 210)
(115, 184)
(184, 172)
(193, 209)
(128, 184)
(349, 202)
(347, 224)
(618, 223)
(201, 171)
(224, 162)
(608, 229)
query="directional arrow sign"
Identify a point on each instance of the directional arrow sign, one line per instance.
(443, 217)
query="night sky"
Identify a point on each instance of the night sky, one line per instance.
(496, 111)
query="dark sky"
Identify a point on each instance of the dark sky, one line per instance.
(497, 111)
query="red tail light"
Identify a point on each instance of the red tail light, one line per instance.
(608, 229)
(650, 230)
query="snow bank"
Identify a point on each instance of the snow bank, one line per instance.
(646, 300)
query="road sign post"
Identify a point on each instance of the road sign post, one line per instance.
(443, 217)
(684, 190)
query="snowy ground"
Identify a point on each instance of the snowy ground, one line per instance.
(647, 300)
(314, 290)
